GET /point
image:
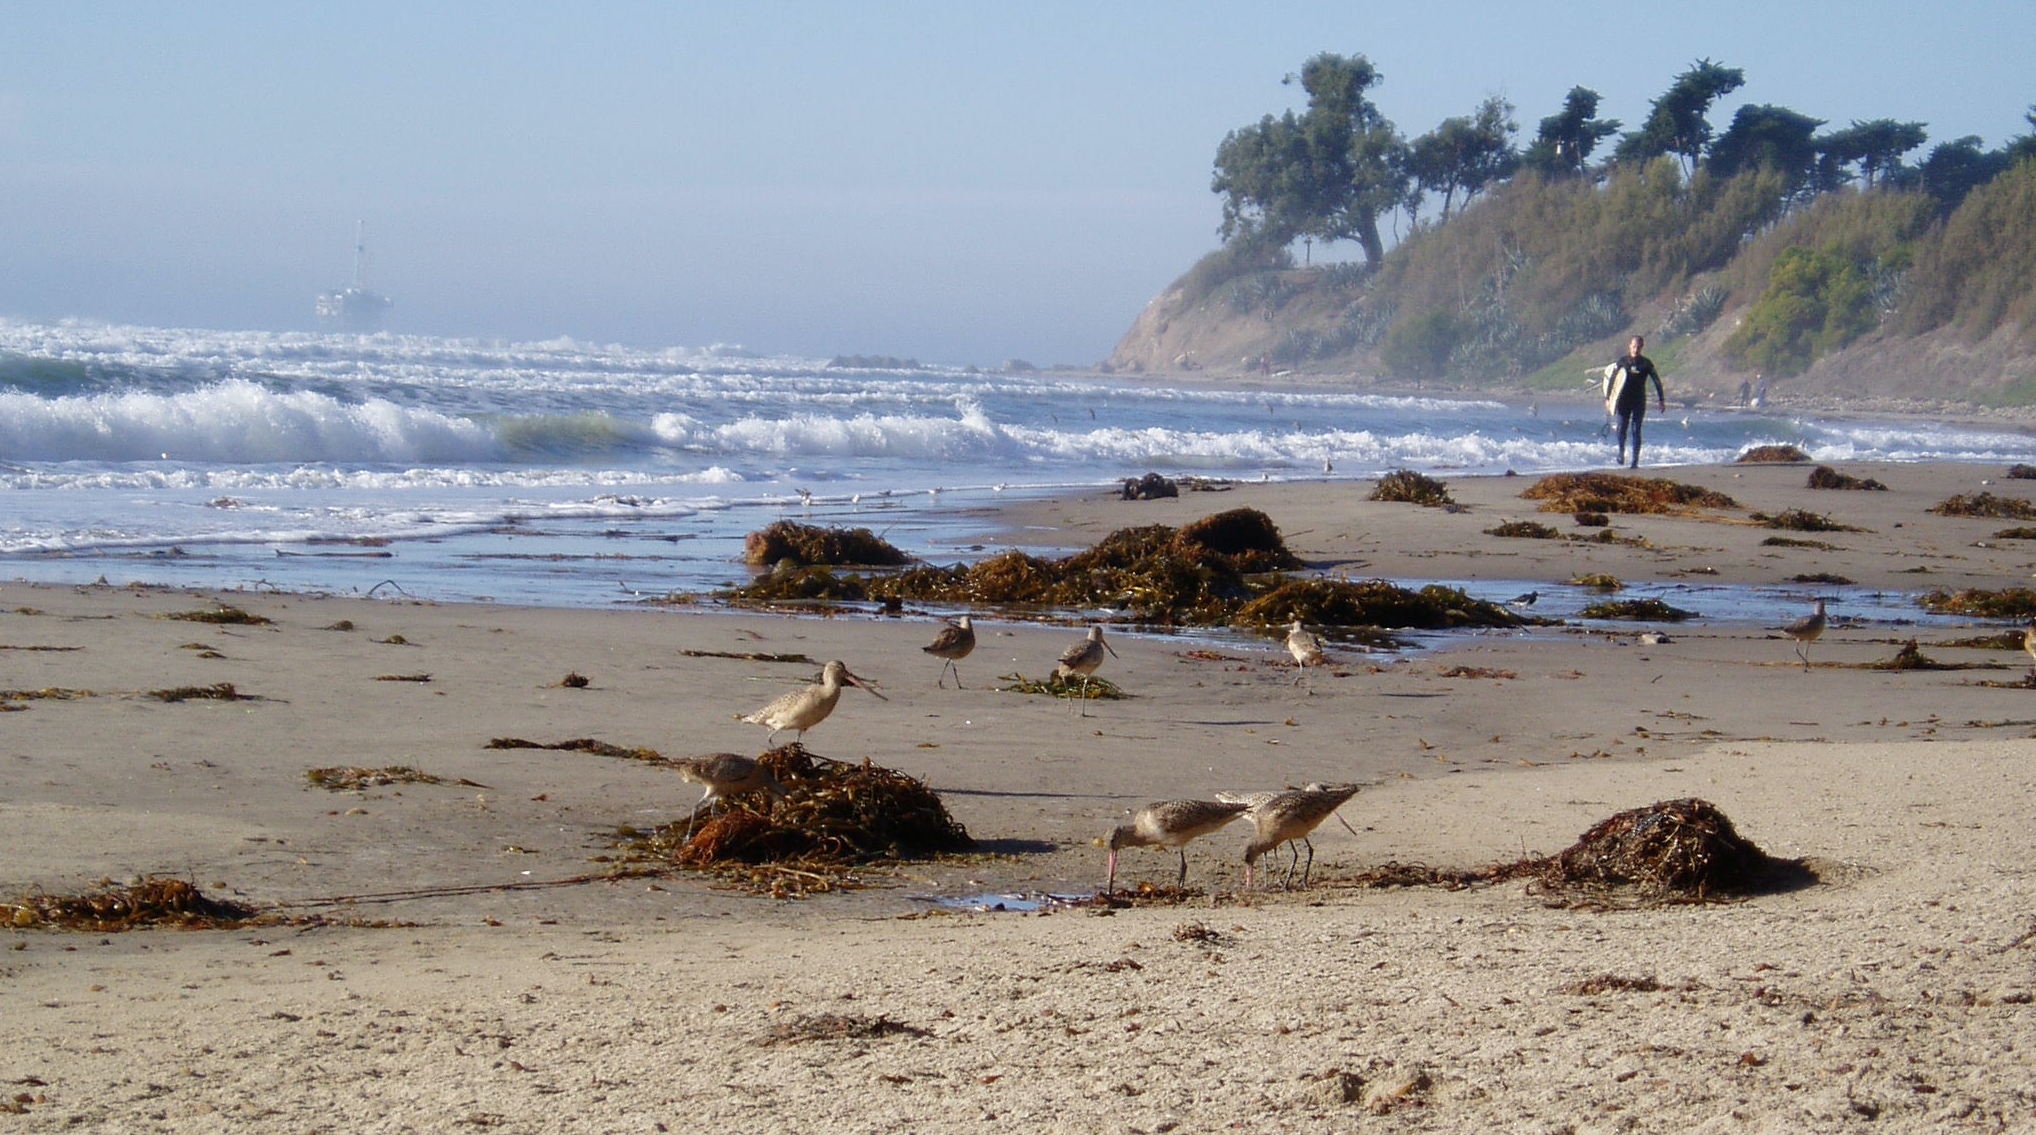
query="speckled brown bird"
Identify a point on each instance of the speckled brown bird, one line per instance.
(954, 643)
(1170, 823)
(804, 708)
(1081, 660)
(1805, 631)
(1283, 817)
(725, 775)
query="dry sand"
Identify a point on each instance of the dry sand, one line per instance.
(1894, 994)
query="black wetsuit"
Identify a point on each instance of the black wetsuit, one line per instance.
(1631, 407)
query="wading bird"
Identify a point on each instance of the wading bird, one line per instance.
(1170, 823)
(804, 708)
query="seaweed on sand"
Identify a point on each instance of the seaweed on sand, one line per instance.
(1614, 492)
(2007, 603)
(1772, 455)
(1375, 603)
(1196, 574)
(152, 901)
(812, 545)
(1642, 610)
(1825, 477)
(1801, 520)
(1407, 486)
(1986, 505)
(1683, 849)
(223, 615)
(836, 816)
(1524, 530)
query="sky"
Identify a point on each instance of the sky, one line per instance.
(957, 182)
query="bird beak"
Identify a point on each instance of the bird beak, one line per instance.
(1108, 647)
(865, 685)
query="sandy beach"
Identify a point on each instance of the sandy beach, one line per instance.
(1892, 994)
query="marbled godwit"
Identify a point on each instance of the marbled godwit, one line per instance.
(953, 643)
(1305, 647)
(1081, 660)
(802, 709)
(1805, 631)
(1170, 823)
(1283, 817)
(726, 775)
(2029, 642)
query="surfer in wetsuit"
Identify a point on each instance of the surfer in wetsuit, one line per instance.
(1626, 395)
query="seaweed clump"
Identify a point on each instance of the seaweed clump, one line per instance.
(836, 816)
(222, 615)
(1613, 492)
(1801, 520)
(2007, 603)
(1772, 455)
(1194, 574)
(1408, 487)
(1641, 610)
(1524, 530)
(1825, 477)
(1375, 603)
(1986, 505)
(1677, 849)
(1911, 657)
(811, 545)
(152, 901)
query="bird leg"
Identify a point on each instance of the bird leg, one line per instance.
(1181, 880)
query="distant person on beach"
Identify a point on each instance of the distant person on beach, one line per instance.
(1626, 395)
(1746, 392)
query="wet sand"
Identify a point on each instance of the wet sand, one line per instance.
(1896, 989)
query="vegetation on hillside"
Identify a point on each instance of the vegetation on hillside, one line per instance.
(1512, 258)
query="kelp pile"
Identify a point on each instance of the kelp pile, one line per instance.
(1407, 486)
(1801, 520)
(1196, 574)
(1678, 849)
(222, 615)
(2007, 603)
(1058, 685)
(1641, 610)
(810, 545)
(1374, 603)
(1911, 657)
(1986, 505)
(1615, 492)
(1524, 530)
(836, 816)
(1772, 455)
(354, 778)
(1825, 477)
(153, 901)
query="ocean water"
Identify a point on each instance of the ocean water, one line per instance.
(563, 473)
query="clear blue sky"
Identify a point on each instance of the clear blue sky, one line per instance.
(954, 181)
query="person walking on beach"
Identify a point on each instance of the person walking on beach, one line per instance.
(1626, 395)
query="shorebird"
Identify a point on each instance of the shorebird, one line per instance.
(1525, 599)
(1305, 647)
(726, 776)
(1081, 660)
(1283, 817)
(953, 643)
(1170, 823)
(1805, 631)
(802, 709)
(2029, 643)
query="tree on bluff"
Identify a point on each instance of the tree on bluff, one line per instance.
(1468, 153)
(1677, 124)
(1329, 173)
(1564, 141)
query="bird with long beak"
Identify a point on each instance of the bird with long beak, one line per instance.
(726, 776)
(1170, 823)
(954, 642)
(802, 709)
(1081, 660)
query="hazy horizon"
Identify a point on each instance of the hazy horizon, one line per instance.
(958, 184)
